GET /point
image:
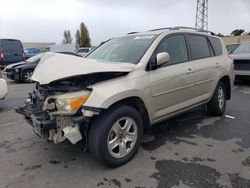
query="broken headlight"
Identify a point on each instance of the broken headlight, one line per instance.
(67, 104)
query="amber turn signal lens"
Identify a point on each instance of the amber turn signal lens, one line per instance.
(75, 103)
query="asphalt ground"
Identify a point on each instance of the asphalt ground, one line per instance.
(190, 150)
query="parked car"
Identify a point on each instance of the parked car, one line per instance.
(3, 87)
(83, 51)
(23, 71)
(241, 58)
(11, 51)
(29, 52)
(232, 47)
(125, 86)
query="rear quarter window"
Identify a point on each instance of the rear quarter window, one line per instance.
(216, 44)
(12, 46)
(198, 47)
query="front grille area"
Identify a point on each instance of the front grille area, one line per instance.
(242, 64)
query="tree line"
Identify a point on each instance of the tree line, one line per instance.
(236, 32)
(82, 37)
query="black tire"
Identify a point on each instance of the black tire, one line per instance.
(99, 133)
(214, 106)
(25, 79)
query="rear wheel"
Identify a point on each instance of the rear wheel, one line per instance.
(217, 104)
(27, 74)
(115, 136)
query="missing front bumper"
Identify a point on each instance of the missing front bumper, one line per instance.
(57, 129)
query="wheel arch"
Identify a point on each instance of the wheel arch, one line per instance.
(139, 105)
(226, 81)
(24, 71)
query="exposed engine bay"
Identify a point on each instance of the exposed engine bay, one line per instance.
(55, 110)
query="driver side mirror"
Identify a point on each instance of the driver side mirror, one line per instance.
(162, 58)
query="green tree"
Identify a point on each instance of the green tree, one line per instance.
(237, 32)
(67, 39)
(78, 37)
(82, 36)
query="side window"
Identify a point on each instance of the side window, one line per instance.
(175, 46)
(216, 44)
(198, 47)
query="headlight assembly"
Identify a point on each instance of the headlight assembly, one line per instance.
(68, 104)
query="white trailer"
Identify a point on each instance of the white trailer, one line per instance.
(62, 48)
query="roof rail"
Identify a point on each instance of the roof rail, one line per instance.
(181, 27)
(133, 32)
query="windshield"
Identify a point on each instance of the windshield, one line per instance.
(35, 58)
(128, 49)
(243, 48)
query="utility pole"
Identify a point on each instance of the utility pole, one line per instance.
(201, 21)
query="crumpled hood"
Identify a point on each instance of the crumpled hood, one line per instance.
(55, 66)
(15, 64)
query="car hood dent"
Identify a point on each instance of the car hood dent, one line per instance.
(13, 65)
(54, 67)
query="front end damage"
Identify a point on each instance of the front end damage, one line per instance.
(56, 111)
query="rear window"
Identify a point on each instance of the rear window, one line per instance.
(12, 46)
(216, 44)
(198, 47)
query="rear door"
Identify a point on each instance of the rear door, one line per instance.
(205, 64)
(13, 50)
(172, 84)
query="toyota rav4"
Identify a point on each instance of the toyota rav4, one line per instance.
(125, 86)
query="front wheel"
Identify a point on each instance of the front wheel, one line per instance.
(217, 105)
(115, 136)
(27, 74)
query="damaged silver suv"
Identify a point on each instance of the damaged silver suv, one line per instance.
(125, 86)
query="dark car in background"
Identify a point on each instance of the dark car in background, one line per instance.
(241, 58)
(29, 52)
(11, 51)
(23, 70)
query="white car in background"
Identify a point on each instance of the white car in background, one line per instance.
(3, 87)
(62, 48)
(83, 51)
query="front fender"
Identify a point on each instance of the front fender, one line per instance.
(105, 95)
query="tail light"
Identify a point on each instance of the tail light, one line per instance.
(1, 55)
(230, 56)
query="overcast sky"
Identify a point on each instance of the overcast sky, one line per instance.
(45, 20)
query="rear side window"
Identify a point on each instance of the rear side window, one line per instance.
(216, 44)
(199, 47)
(12, 46)
(175, 46)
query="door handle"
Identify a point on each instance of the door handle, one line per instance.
(190, 71)
(218, 65)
